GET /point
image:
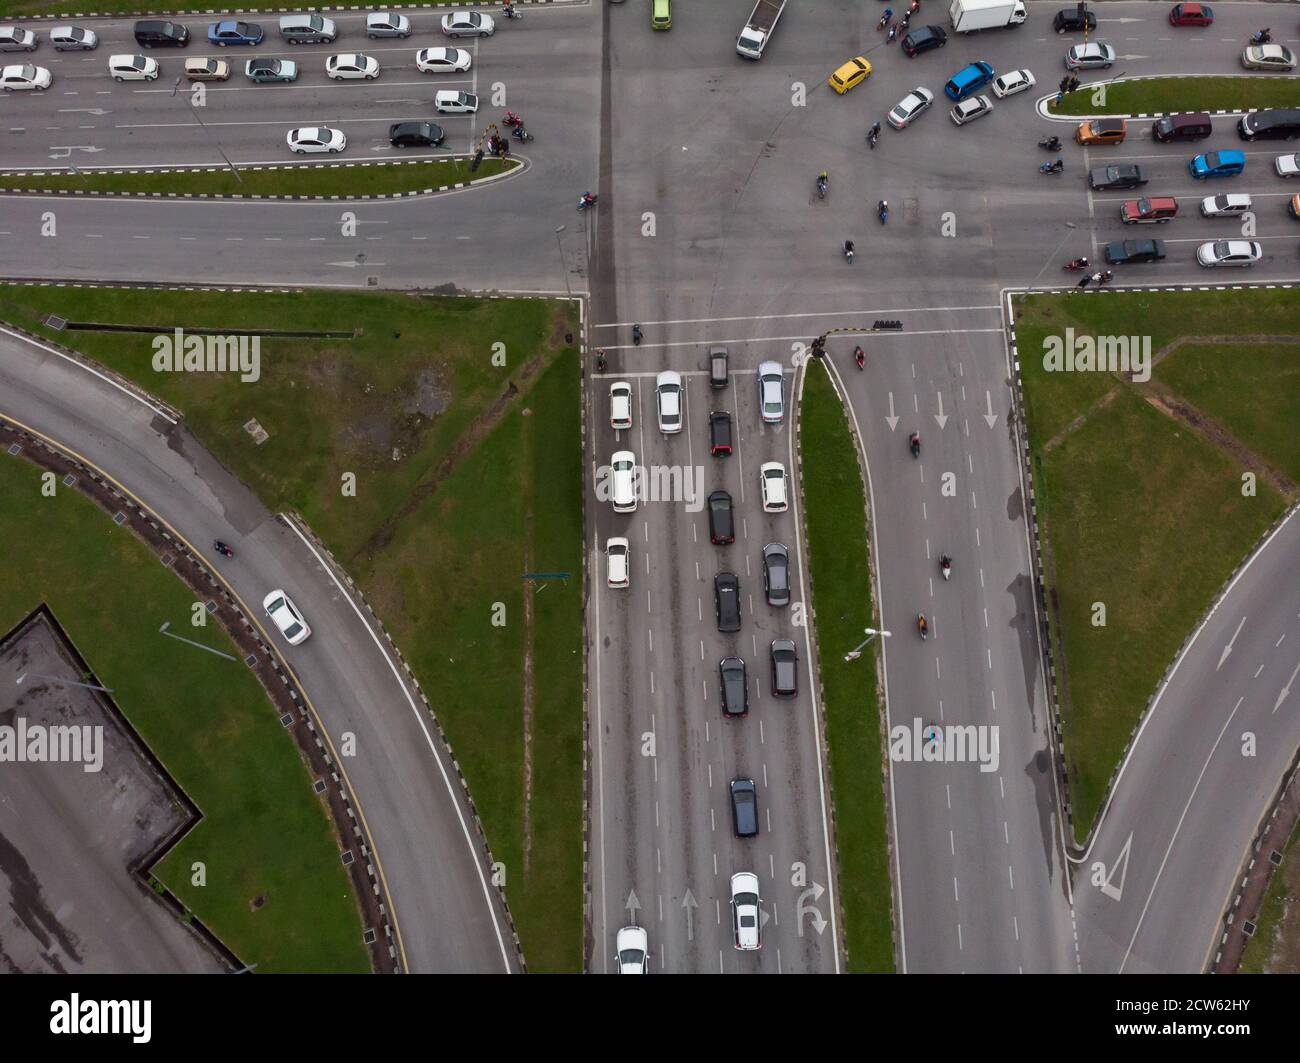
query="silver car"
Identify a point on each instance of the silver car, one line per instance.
(910, 107)
(17, 39)
(387, 24)
(771, 392)
(1087, 56)
(67, 38)
(1229, 253)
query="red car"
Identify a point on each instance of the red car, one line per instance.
(1191, 15)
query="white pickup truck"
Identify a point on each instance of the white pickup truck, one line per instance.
(758, 30)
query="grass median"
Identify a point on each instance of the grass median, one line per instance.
(349, 180)
(263, 834)
(1141, 499)
(839, 566)
(459, 419)
(1164, 95)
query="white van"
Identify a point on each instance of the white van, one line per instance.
(133, 68)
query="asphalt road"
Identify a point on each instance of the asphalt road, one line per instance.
(709, 231)
(448, 916)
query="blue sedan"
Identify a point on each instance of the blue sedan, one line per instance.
(232, 32)
(1217, 164)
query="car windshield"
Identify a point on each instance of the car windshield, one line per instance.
(631, 957)
(292, 628)
(1222, 248)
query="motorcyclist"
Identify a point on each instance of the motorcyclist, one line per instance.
(893, 32)
(600, 360)
(1077, 263)
(848, 250)
(823, 180)
(1052, 143)
(1106, 277)
(882, 210)
(914, 441)
(913, 6)
(921, 625)
(222, 548)
(884, 18)
(1262, 36)
(860, 356)
(945, 562)
(588, 199)
(511, 118)
(636, 335)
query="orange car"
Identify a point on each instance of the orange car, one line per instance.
(1294, 206)
(1101, 131)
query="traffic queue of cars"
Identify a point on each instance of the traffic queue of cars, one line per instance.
(293, 29)
(627, 484)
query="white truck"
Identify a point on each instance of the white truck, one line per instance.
(971, 15)
(758, 30)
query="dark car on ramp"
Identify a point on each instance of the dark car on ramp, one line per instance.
(726, 601)
(722, 522)
(776, 574)
(744, 807)
(785, 668)
(1105, 178)
(1126, 252)
(922, 40)
(735, 689)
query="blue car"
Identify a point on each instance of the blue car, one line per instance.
(1217, 164)
(969, 80)
(232, 32)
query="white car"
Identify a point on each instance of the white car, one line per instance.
(387, 24)
(633, 950)
(67, 38)
(969, 110)
(23, 77)
(468, 24)
(442, 60)
(1229, 253)
(746, 922)
(1011, 82)
(1287, 165)
(620, 405)
(316, 140)
(622, 481)
(281, 609)
(1090, 55)
(776, 493)
(352, 66)
(618, 562)
(1225, 206)
(132, 68)
(771, 392)
(453, 101)
(668, 401)
(910, 107)
(1268, 57)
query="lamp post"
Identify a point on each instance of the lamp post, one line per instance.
(198, 118)
(563, 266)
(1069, 227)
(871, 633)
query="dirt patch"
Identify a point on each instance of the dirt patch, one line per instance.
(1079, 421)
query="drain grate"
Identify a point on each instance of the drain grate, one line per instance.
(119, 518)
(15, 449)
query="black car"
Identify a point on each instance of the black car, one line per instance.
(744, 807)
(722, 524)
(1124, 252)
(1069, 20)
(785, 669)
(415, 135)
(776, 574)
(925, 39)
(719, 433)
(735, 688)
(159, 33)
(1104, 178)
(726, 601)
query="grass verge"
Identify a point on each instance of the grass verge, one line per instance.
(839, 566)
(292, 179)
(1275, 946)
(1139, 510)
(458, 417)
(263, 832)
(1163, 95)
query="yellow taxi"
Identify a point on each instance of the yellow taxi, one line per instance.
(850, 75)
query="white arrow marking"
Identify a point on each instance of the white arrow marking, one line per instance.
(68, 149)
(891, 420)
(941, 417)
(1132, 57)
(1119, 20)
(84, 110)
(688, 902)
(1228, 648)
(352, 264)
(990, 418)
(1121, 865)
(1287, 689)
(818, 920)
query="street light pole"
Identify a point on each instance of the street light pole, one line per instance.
(1069, 226)
(198, 118)
(856, 652)
(563, 266)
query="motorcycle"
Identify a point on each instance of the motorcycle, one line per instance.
(873, 134)
(636, 335)
(822, 183)
(1050, 144)
(913, 7)
(922, 626)
(914, 442)
(601, 364)
(509, 12)
(1262, 37)
(511, 119)
(1104, 277)
(884, 19)
(882, 211)
(1075, 264)
(893, 32)
(222, 548)
(860, 356)
(907, 17)
(586, 201)
(848, 251)
(945, 566)
(1052, 167)
(520, 133)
